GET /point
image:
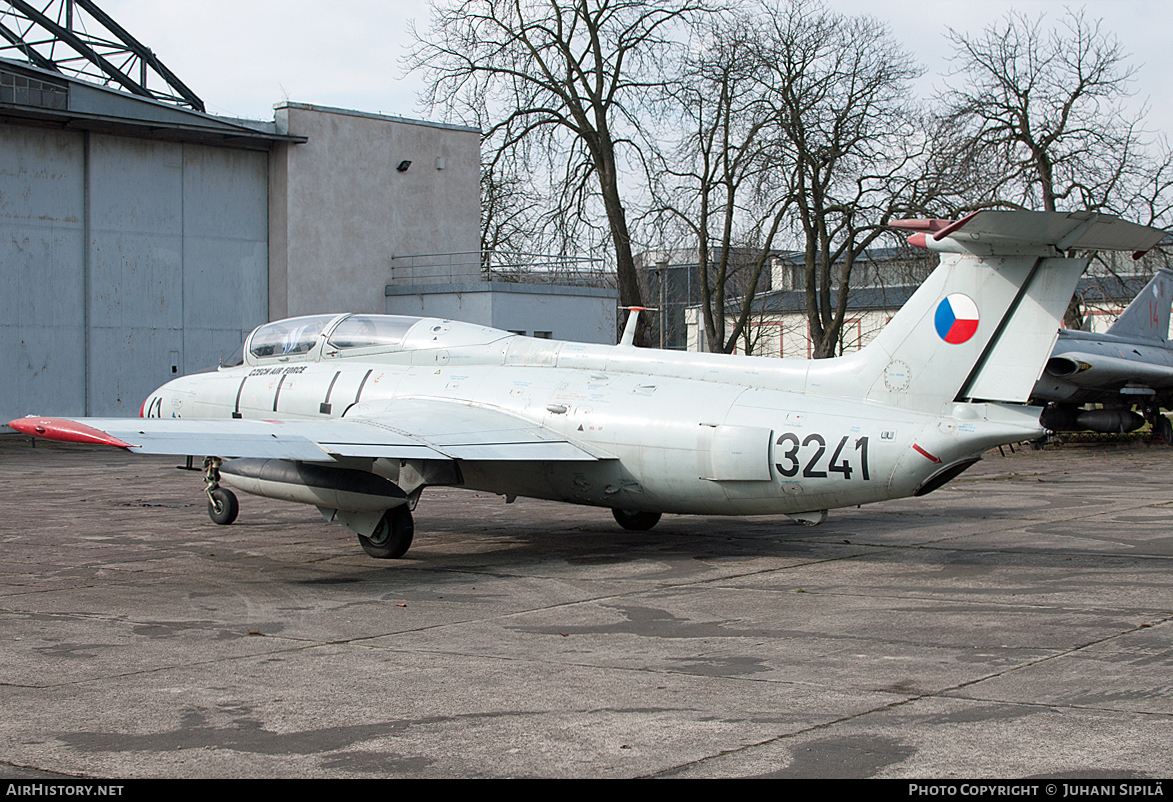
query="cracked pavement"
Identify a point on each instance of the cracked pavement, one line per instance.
(1015, 623)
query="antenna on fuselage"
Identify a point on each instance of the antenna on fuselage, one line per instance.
(628, 337)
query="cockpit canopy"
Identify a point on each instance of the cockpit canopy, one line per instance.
(369, 331)
(297, 335)
(315, 337)
(318, 336)
(300, 335)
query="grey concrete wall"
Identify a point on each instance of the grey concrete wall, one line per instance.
(136, 269)
(160, 247)
(340, 210)
(179, 262)
(581, 314)
(42, 284)
(226, 252)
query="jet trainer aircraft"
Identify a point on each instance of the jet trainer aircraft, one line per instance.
(357, 414)
(1131, 364)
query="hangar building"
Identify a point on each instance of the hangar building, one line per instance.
(141, 238)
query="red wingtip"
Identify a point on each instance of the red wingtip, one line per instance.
(65, 430)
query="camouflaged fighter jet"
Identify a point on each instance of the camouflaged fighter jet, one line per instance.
(357, 414)
(1128, 370)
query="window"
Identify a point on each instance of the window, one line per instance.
(21, 91)
(369, 331)
(297, 335)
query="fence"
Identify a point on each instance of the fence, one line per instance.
(511, 267)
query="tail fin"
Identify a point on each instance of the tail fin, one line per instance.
(982, 325)
(1147, 317)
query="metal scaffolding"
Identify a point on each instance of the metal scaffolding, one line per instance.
(80, 40)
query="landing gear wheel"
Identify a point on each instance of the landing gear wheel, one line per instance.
(1163, 429)
(635, 520)
(222, 506)
(392, 537)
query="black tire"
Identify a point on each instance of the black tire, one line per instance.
(223, 506)
(392, 537)
(1164, 430)
(635, 520)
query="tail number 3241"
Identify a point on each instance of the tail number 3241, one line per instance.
(808, 454)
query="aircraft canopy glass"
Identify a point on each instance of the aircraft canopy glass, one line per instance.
(368, 331)
(297, 335)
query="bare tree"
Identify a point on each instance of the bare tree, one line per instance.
(849, 142)
(797, 121)
(507, 216)
(1043, 109)
(715, 184)
(564, 82)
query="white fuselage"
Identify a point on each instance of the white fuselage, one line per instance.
(675, 432)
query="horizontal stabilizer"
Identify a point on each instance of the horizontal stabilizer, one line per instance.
(1026, 233)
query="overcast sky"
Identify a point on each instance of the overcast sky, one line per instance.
(244, 56)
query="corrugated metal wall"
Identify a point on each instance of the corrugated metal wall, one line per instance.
(123, 262)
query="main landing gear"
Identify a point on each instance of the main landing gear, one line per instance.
(1162, 428)
(635, 520)
(392, 537)
(222, 506)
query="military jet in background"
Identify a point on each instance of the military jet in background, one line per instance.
(1127, 368)
(357, 414)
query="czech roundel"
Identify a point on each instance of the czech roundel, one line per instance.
(956, 319)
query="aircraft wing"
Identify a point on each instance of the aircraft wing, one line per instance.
(402, 429)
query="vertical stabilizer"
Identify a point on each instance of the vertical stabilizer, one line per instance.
(982, 326)
(1147, 317)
